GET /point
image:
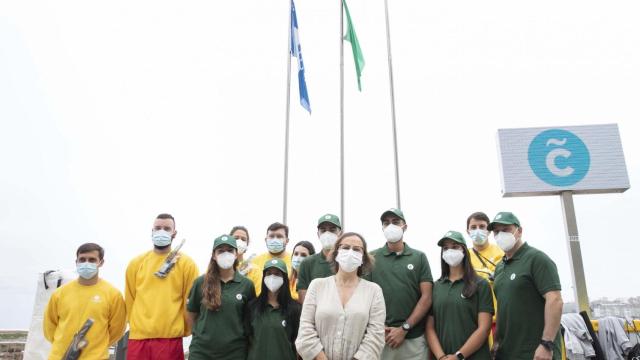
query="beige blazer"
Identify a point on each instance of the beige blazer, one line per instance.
(355, 331)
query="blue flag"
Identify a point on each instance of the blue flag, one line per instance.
(296, 50)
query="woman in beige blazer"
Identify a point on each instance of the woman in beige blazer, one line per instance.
(343, 315)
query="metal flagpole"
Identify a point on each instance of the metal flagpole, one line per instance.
(393, 106)
(573, 241)
(342, 113)
(286, 127)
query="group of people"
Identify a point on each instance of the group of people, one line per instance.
(492, 301)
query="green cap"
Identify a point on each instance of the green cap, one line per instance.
(506, 218)
(276, 263)
(393, 211)
(453, 235)
(225, 240)
(330, 218)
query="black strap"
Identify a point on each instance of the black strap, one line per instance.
(480, 257)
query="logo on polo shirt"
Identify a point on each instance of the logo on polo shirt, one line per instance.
(239, 296)
(410, 266)
(284, 323)
(513, 276)
(96, 299)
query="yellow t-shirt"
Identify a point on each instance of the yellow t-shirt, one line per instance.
(71, 305)
(491, 256)
(156, 306)
(257, 264)
(292, 287)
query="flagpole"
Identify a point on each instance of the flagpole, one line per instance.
(393, 106)
(286, 127)
(342, 113)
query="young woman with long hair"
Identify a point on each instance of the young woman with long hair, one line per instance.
(460, 317)
(300, 251)
(218, 305)
(274, 316)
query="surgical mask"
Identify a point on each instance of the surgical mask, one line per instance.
(295, 262)
(349, 260)
(242, 246)
(275, 245)
(479, 236)
(161, 238)
(87, 270)
(393, 233)
(453, 257)
(273, 282)
(226, 260)
(505, 240)
(328, 239)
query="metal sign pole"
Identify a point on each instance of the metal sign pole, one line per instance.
(575, 255)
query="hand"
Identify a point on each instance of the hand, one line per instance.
(321, 356)
(394, 336)
(542, 353)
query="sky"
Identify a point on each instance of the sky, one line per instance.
(113, 112)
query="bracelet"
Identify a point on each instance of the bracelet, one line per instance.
(442, 357)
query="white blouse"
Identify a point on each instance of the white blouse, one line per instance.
(355, 331)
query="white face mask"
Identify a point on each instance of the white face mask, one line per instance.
(273, 282)
(328, 239)
(505, 240)
(479, 236)
(242, 246)
(349, 260)
(453, 257)
(226, 260)
(393, 233)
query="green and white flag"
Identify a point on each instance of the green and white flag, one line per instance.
(351, 37)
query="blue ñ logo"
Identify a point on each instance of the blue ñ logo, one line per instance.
(559, 157)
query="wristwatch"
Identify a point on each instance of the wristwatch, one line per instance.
(547, 344)
(406, 326)
(460, 356)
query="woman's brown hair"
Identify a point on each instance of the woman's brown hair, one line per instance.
(212, 289)
(367, 260)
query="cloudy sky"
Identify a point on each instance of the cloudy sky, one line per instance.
(111, 113)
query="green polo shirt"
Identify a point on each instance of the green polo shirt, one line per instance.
(399, 276)
(313, 267)
(456, 317)
(520, 284)
(221, 334)
(273, 335)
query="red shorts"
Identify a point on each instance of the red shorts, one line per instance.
(155, 349)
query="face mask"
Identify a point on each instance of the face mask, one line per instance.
(242, 246)
(295, 262)
(161, 238)
(479, 236)
(275, 245)
(87, 270)
(453, 257)
(273, 282)
(393, 233)
(226, 260)
(349, 260)
(328, 239)
(505, 240)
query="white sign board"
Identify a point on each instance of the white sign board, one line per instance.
(546, 161)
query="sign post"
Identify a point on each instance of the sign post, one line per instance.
(564, 161)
